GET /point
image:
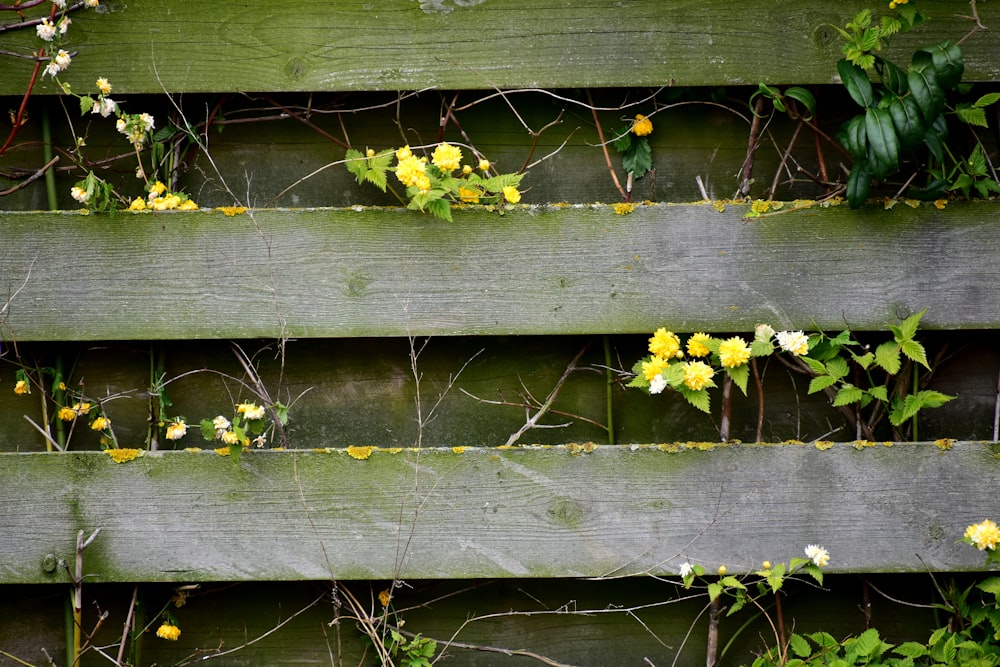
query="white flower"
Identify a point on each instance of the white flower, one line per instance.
(122, 126)
(79, 194)
(91, 3)
(52, 69)
(63, 59)
(763, 333)
(686, 570)
(64, 24)
(46, 30)
(818, 555)
(61, 4)
(795, 342)
(657, 384)
(147, 122)
(220, 423)
(105, 106)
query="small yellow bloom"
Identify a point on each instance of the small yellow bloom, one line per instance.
(385, 597)
(230, 437)
(759, 207)
(733, 352)
(100, 424)
(404, 153)
(188, 205)
(940, 203)
(696, 345)
(511, 194)
(370, 152)
(766, 564)
(168, 631)
(230, 211)
(21, 387)
(82, 408)
(642, 126)
(447, 158)
(138, 204)
(177, 430)
(665, 344)
(466, 169)
(104, 86)
(251, 411)
(67, 414)
(722, 570)
(984, 535)
(484, 165)
(157, 188)
(698, 375)
(123, 455)
(360, 453)
(653, 367)
(624, 208)
(468, 195)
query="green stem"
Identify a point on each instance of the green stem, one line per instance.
(50, 174)
(609, 395)
(916, 389)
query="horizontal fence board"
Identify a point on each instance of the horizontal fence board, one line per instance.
(415, 44)
(566, 511)
(533, 270)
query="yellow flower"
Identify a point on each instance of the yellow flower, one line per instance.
(940, 203)
(484, 164)
(21, 387)
(696, 345)
(230, 437)
(67, 414)
(511, 194)
(447, 158)
(665, 344)
(188, 205)
(733, 352)
(466, 169)
(81, 408)
(766, 565)
(138, 204)
(157, 188)
(410, 171)
(795, 342)
(624, 208)
(759, 207)
(653, 367)
(468, 195)
(370, 152)
(642, 126)
(177, 430)
(722, 570)
(698, 375)
(984, 535)
(103, 86)
(100, 423)
(360, 453)
(168, 631)
(251, 411)
(123, 455)
(404, 153)
(385, 597)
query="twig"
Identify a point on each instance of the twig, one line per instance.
(128, 625)
(46, 435)
(712, 645)
(747, 170)
(604, 145)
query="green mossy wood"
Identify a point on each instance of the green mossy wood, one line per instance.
(473, 44)
(545, 270)
(523, 512)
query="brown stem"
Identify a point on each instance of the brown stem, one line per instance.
(755, 129)
(604, 146)
(781, 625)
(727, 409)
(712, 646)
(759, 383)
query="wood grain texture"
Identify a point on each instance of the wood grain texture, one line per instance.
(534, 270)
(524, 512)
(415, 44)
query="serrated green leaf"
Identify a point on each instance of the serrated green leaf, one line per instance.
(880, 392)
(820, 383)
(863, 360)
(908, 328)
(740, 375)
(624, 140)
(639, 158)
(887, 357)
(699, 399)
(356, 163)
(933, 399)
(714, 591)
(86, 104)
(815, 365)
(971, 115)
(848, 394)
(991, 585)
(914, 351)
(799, 645)
(911, 650)
(837, 367)
(904, 410)
(439, 208)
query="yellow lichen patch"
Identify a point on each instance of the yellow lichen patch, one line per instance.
(230, 211)
(192, 449)
(360, 453)
(124, 454)
(823, 445)
(588, 447)
(668, 447)
(861, 444)
(458, 450)
(719, 205)
(944, 444)
(506, 447)
(392, 450)
(624, 208)
(223, 451)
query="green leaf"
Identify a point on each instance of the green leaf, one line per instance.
(699, 399)
(86, 104)
(887, 357)
(883, 144)
(799, 645)
(857, 83)
(911, 650)
(848, 394)
(837, 367)
(971, 115)
(820, 383)
(639, 158)
(624, 140)
(926, 91)
(948, 63)
(991, 585)
(894, 77)
(881, 393)
(908, 122)
(914, 351)
(740, 375)
(714, 591)
(440, 208)
(854, 138)
(803, 97)
(815, 365)
(907, 329)
(859, 182)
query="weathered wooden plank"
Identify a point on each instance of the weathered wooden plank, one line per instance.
(534, 270)
(484, 512)
(411, 44)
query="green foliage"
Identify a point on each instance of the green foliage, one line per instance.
(416, 652)
(633, 143)
(431, 185)
(903, 114)
(789, 101)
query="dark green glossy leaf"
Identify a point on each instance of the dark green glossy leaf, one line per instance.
(948, 62)
(926, 91)
(857, 83)
(907, 120)
(858, 183)
(894, 77)
(883, 144)
(803, 97)
(853, 137)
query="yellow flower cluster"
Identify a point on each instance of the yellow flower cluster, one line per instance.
(895, 3)
(411, 170)
(733, 352)
(22, 388)
(100, 424)
(160, 199)
(984, 535)
(168, 631)
(123, 455)
(69, 413)
(250, 411)
(642, 126)
(697, 375)
(177, 430)
(360, 453)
